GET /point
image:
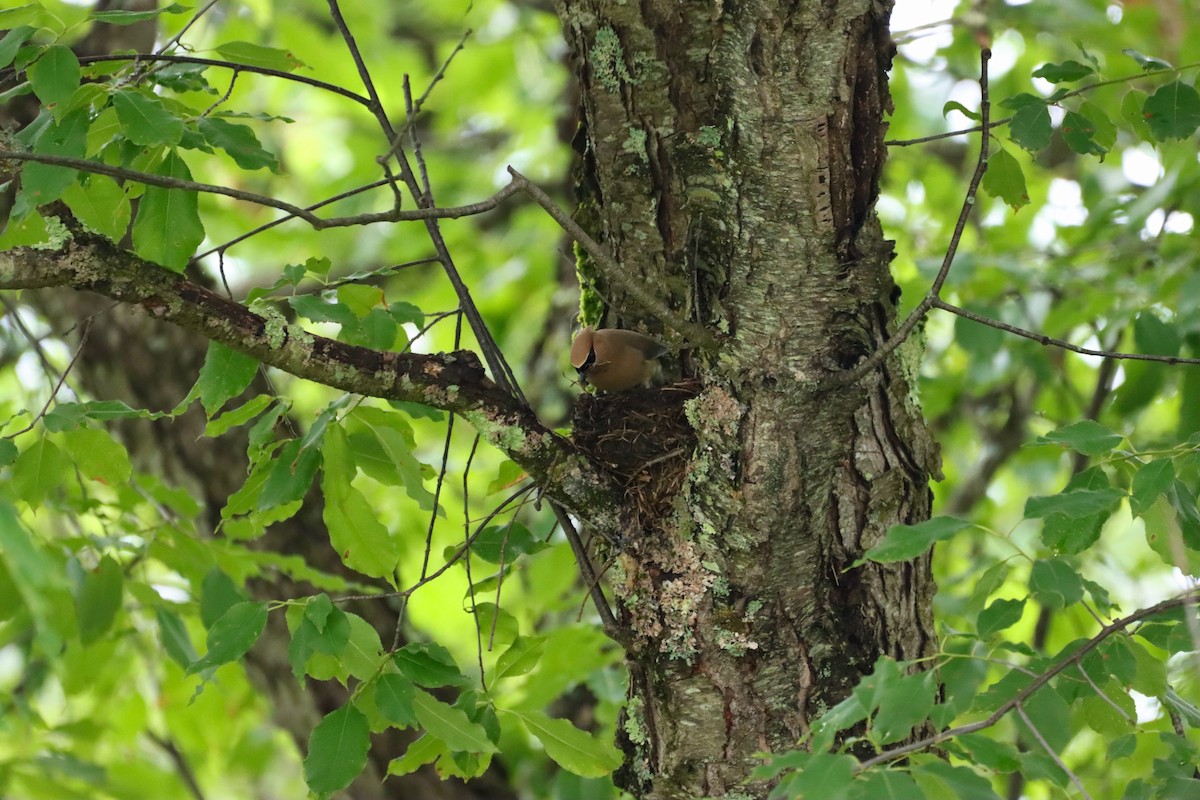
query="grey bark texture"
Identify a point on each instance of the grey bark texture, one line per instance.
(731, 155)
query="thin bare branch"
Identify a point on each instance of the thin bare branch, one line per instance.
(1049, 341)
(693, 333)
(1050, 752)
(897, 338)
(370, 218)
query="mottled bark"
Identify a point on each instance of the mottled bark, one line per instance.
(731, 159)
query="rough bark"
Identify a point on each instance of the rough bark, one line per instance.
(731, 156)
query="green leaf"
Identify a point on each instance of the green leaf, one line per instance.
(100, 204)
(998, 616)
(232, 636)
(1062, 73)
(1147, 63)
(508, 475)
(173, 634)
(888, 784)
(1054, 584)
(167, 229)
(423, 751)
(361, 540)
(1030, 127)
(450, 724)
(954, 105)
(428, 664)
(40, 468)
(1087, 436)
(99, 599)
(1005, 180)
(828, 776)
(70, 415)
(145, 120)
(504, 543)
(133, 17)
(1173, 112)
(904, 542)
(1074, 504)
(238, 416)
(939, 779)
(1150, 673)
(572, 749)
(256, 55)
(8, 452)
(520, 658)
(1050, 715)
(218, 594)
(337, 750)
(394, 698)
(239, 142)
(1079, 133)
(98, 456)
(42, 183)
(1149, 483)
(225, 374)
(904, 703)
(990, 753)
(11, 43)
(389, 459)
(1105, 132)
(1131, 114)
(317, 310)
(1164, 534)
(291, 475)
(55, 76)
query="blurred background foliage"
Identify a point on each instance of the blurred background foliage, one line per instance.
(1104, 256)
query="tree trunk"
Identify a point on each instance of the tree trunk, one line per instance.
(731, 159)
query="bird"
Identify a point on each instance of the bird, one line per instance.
(615, 360)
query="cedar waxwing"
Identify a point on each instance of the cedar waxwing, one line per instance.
(614, 360)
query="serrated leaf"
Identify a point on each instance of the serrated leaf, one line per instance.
(337, 750)
(239, 142)
(1173, 112)
(1086, 436)
(504, 543)
(1030, 127)
(173, 634)
(256, 55)
(520, 658)
(572, 749)
(232, 636)
(450, 724)
(99, 599)
(43, 183)
(145, 120)
(317, 310)
(225, 374)
(998, 616)
(959, 782)
(904, 542)
(828, 776)
(38, 469)
(1062, 73)
(1105, 132)
(361, 540)
(428, 664)
(291, 474)
(394, 698)
(100, 204)
(133, 17)
(903, 704)
(238, 416)
(1079, 133)
(11, 43)
(167, 229)
(1147, 63)
(1131, 114)
(55, 76)
(1050, 715)
(1075, 504)
(1149, 483)
(423, 751)
(98, 456)
(1005, 180)
(1054, 584)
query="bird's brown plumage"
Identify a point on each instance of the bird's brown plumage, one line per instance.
(615, 360)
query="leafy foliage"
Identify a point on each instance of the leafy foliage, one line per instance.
(1048, 672)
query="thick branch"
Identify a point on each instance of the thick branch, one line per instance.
(454, 382)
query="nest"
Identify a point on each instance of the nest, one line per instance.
(642, 438)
